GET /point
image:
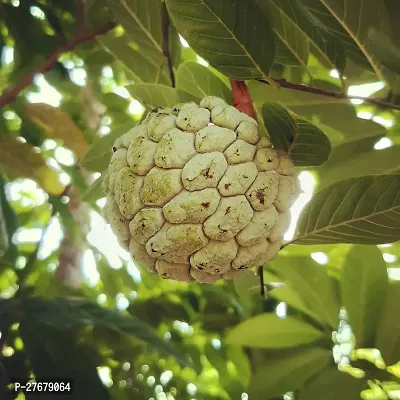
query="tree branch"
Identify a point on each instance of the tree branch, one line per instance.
(327, 93)
(80, 17)
(12, 92)
(165, 43)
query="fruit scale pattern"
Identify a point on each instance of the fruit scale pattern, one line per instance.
(194, 193)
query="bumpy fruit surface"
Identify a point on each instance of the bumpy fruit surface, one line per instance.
(194, 192)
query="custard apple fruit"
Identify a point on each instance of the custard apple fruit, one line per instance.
(195, 194)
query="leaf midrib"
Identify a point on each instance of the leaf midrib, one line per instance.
(234, 37)
(356, 40)
(301, 62)
(323, 311)
(346, 222)
(321, 51)
(137, 20)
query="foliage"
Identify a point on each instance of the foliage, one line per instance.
(74, 76)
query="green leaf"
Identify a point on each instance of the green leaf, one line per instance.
(280, 125)
(147, 65)
(58, 125)
(356, 19)
(270, 332)
(306, 143)
(141, 20)
(385, 50)
(151, 95)
(331, 384)
(244, 283)
(293, 300)
(311, 146)
(114, 102)
(359, 158)
(99, 155)
(95, 191)
(223, 33)
(362, 210)
(287, 372)
(62, 314)
(306, 28)
(312, 284)
(363, 285)
(239, 358)
(199, 81)
(294, 40)
(388, 329)
(24, 161)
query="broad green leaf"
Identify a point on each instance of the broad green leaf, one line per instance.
(292, 299)
(99, 155)
(312, 284)
(309, 31)
(388, 337)
(24, 161)
(239, 358)
(331, 384)
(95, 191)
(58, 125)
(305, 142)
(114, 102)
(287, 372)
(270, 332)
(350, 160)
(356, 18)
(311, 146)
(223, 33)
(62, 314)
(151, 95)
(199, 81)
(362, 210)
(385, 50)
(244, 283)
(141, 20)
(280, 125)
(147, 66)
(288, 33)
(363, 285)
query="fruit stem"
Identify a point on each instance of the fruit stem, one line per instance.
(242, 99)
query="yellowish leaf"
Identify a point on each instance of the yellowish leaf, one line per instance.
(23, 160)
(58, 125)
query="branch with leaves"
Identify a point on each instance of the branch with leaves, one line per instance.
(12, 92)
(328, 93)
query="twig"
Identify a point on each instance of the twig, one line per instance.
(242, 99)
(262, 285)
(165, 43)
(10, 93)
(327, 93)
